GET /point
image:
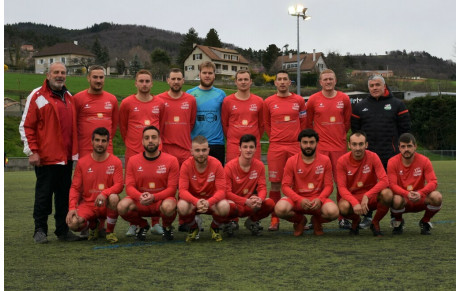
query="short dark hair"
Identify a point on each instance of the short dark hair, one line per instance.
(359, 133)
(144, 72)
(175, 70)
(101, 131)
(149, 128)
(95, 68)
(248, 138)
(281, 72)
(407, 138)
(199, 139)
(309, 132)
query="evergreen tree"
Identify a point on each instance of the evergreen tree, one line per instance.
(269, 56)
(212, 39)
(135, 65)
(102, 53)
(160, 63)
(186, 45)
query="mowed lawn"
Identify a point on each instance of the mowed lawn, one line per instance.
(274, 261)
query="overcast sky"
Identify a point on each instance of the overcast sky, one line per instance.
(344, 26)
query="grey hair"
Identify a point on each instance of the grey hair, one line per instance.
(376, 77)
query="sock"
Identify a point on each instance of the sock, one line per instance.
(155, 220)
(112, 216)
(267, 207)
(430, 212)
(134, 218)
(397, 213)
(167, 220)
(382, 210)
(297, 218)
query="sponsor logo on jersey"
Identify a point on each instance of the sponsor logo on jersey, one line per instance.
(332, 119)
(319, 170)
(100, 186)
(100, 115)
(387, 107)
(90, 170)
(365, 109)
(340, 104)
(272, 174)
(311, 186)
(410, 187)
(253, 175)
(253, 107)
(417, 172)
(185, 105)
(245, 191)
(176, 118)
(140, 169)
(244, 122)
(295, 106)
(152, 185)
(147, 122)
(287, 118)
(359, 184)
(211, 177)
(156, 110)
(110, 170)
(108, 105)
(161, 169)
(366, 169)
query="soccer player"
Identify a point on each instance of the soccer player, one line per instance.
(202, 190)
(151, 185)
(383, 117)
(179, 117)
(284, 118)
(95, 108)
(242, 113)
(136, 112)
(246, 187)
(209, 106)
(49, 131)
(414, 183)
(328, 113)
(362, 183)
(307, 184)
(97, 181)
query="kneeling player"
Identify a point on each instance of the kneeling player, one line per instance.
(151, 184)
(407, 173)
(307, 183)
(246, 187)
(97, 181)
(362, 183)
(202, 190)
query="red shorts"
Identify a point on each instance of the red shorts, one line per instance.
(277, 157)
(371, 204)
(297, 208)
(415, 206)
(149, 210)
(233, 151)
(90, 212)
(180, 153)
(333, 156)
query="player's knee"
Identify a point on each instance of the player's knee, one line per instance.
(168, 206)
(123, 206)
(435, 198)
(113, 201)
(330, 211)
(183, 207)
(222, 208)
(386, 197)
(282, 208)
(398, 202)
(344, 207)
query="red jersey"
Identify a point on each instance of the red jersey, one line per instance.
(158, 176)
(240, 117)
(301, 180)
(357, 178)
(179, 120)
(95, 111)
(284, 117)
(209, 185)
(412, 178)
(92, 178)
(330, 118)
(242, 185)
(134, 116)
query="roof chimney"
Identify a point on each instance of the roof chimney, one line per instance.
(290, 55)
(314, 55)
(75, 42)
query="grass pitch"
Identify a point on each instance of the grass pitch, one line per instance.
(275, 261)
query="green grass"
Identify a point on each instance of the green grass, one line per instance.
(275, 261)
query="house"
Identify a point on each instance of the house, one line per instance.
(71, 54)
(309, 63)
(368, 73)
(227, 62)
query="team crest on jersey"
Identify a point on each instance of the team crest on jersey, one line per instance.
(340, 104)
(110, 170)
(253, 107)
(366, 169)
(295, 106)
(156, 110)
(234, 107)
(319, 170)
(272, 174)
(185, 106)
(211, 177)
(90, 170)
(101, 187)
(253, 175)
(140, 169)
(108, 105)
(152, 185)
(417, 172)
(387, 107)
(161, 169)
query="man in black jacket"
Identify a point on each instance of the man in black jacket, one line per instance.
(383, 118)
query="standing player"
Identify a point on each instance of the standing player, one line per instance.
(179, 117)
(151, 185)
(202, 190)
(242, 113)
(97, 181)
(284, 118)
(362, 183)
(328, 113)
(246, 187)
(307, 183)
(209, 106)
(95, 108)
(136, 112)
(414, 183)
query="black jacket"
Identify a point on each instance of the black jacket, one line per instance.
(383, 120)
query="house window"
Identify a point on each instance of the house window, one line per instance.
(197, 56)
(189, 68)
(51, 61)
(225, 67)
(63, 60)
(234, 58)
(226, 57)
(234, 68)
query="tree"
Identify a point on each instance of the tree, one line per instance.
(121, 66)
(336, 62)
(186, 45)
(160, 62)
(135, 65)
(212, 39)
(102, 53)
(269, 56)
(84, 62)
